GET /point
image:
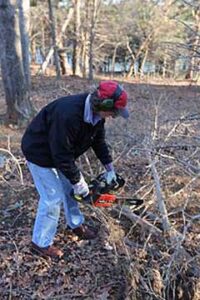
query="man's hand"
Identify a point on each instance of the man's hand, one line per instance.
(110, 176)
(81, 187)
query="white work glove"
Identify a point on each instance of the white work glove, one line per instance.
(110, 176)
(81, 188)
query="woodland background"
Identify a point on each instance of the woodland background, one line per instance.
(54, 48)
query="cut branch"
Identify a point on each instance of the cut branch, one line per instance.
(159, 196)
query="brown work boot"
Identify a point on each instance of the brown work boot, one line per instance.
(50, 251)
(85, 232)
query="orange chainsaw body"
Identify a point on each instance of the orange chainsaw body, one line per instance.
(105, 200)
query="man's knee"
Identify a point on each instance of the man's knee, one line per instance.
(53, 212)
(52, 208)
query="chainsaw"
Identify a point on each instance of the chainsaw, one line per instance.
(103, 194)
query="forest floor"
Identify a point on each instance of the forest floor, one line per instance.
(157, 149)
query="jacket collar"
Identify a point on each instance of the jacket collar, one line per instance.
(89, 116)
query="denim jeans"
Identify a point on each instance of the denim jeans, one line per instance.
(54, 189)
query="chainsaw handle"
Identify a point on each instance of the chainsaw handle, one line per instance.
(80, 198)
(105, 200)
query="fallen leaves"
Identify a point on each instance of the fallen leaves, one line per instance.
(124, 262)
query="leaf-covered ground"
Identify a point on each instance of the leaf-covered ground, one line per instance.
(126, 261)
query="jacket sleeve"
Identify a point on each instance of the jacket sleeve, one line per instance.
(61, 139)
(100, 147)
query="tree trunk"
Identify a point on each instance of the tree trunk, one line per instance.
(18, 103)
(85, 41)
(164, 67)
(143, 46)
(33, 50)
(195, 41)
(91, 41)
(24, 7)
(95, 5)
(65, 24)
(85, 58)
(76, 46)
(133, 59)
(43, 45)
(63, 61)
(143, 62)
(131, 70)
(114, 59)
(53, 35)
